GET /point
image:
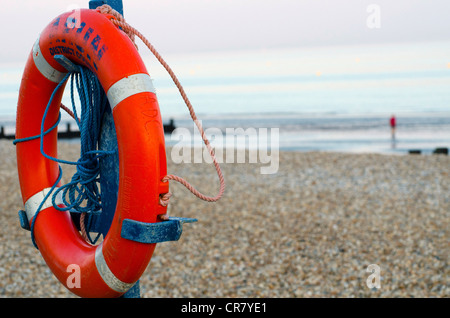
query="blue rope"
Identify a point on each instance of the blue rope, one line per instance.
(82, 193)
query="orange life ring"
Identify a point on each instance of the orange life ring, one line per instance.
(114, 266)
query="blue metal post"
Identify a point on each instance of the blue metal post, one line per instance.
(109, 184)
(115, 4)
(109, 165)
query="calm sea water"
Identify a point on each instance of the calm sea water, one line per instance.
(323, 98)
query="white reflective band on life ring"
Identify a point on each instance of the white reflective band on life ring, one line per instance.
(42, 65)
(33, 202)
(108, 277)
(129, 86)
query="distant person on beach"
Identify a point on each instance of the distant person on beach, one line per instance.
(393, 125)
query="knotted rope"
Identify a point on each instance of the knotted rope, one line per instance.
(119, 21)
(82, 193)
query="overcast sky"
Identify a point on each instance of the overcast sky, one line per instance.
(175, 26)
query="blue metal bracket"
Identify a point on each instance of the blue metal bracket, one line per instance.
(24, 220)
(150, 233)
(66, 63)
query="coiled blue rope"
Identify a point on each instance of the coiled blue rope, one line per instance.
(82, 193)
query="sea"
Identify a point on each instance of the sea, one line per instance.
(325, 98)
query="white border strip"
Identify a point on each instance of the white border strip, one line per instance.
(129, 86)
(34, 201)
(44, 67)
(108, 277)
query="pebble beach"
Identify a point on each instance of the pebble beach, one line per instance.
(309, 230)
